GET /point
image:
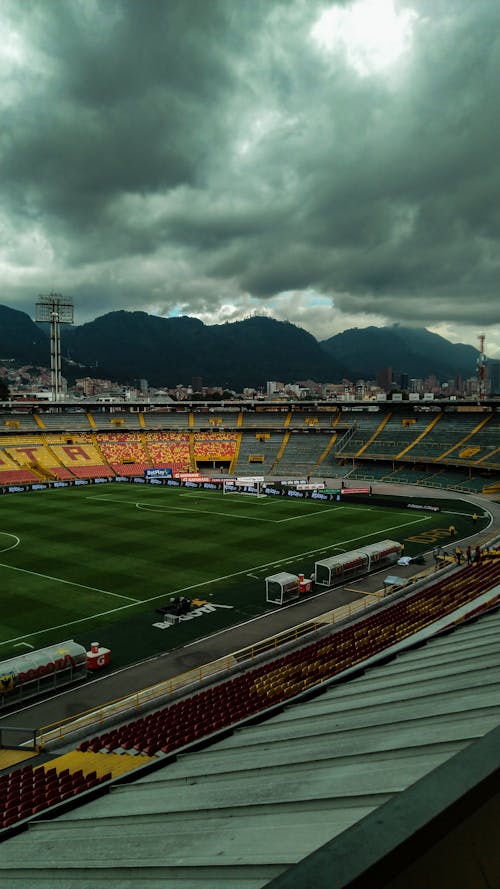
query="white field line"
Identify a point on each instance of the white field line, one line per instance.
(305, 515)
(17, 541)
(239, 498)
(147, 507)
(226, 515)
(204, 583)
(70, 623)
(82, 586)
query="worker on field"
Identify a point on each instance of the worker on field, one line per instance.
(452, 531)
(459, 555)
(474, 518)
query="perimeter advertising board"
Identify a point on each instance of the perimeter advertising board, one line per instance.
(165, 472)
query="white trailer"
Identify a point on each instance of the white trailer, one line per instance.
(336, 569)
(383, 553)
(282, 588)
(47, 669)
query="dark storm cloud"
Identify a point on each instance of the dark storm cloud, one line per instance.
(122, 107)
(188, 153)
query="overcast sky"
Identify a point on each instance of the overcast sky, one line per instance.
(333, 164)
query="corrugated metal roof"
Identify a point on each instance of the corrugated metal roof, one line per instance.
(254, 804)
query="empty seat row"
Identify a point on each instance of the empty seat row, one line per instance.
(26, 791)
(225, 704)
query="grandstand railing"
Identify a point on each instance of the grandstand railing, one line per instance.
(344, 441)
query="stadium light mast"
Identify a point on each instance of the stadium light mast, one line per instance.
(58, 310)
(481, 368)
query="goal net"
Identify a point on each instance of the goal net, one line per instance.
(253, 487)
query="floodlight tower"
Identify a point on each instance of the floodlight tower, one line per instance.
(58, 310)
(481, 368)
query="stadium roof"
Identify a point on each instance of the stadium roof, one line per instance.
(345, 772)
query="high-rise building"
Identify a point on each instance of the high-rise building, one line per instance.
(384, 379)
(494, 376)
(273, 386)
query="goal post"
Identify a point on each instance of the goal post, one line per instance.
(253, 487)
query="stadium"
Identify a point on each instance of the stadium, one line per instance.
(296, 676)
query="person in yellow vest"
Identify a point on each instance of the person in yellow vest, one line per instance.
(452, 531)
(459, 555)
(474, 518)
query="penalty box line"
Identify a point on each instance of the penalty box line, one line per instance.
(153, 507)
(203, 583)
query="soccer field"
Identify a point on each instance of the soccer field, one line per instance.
(95, 563)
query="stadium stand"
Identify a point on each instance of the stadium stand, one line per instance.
(373, 472)
(125, 452)
(24, 422)
(251, 446)
(431, 477)
(351, 748)
(375, 435)
(419, 437)
(444, 436)
(266, 419)
(217, 419)
(361, 426)
(215, 447)
(169, 449)
(17, 476)
(19, 459)
(28, 791)
(77, 421)
(482, 447)
(104, 421)
(399, 433)
(424, 436)
(166, 419)
(481, 421)
(82, 458)
(7, 464)
(302, 452)
(313, 419)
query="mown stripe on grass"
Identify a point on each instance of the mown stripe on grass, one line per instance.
(202, 583)
(82, 586)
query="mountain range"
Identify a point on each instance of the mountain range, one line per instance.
(126, 346)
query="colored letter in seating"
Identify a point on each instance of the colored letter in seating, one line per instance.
(75, 453)
(28, 452)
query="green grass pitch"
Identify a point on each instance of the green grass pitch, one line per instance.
(95, 562)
